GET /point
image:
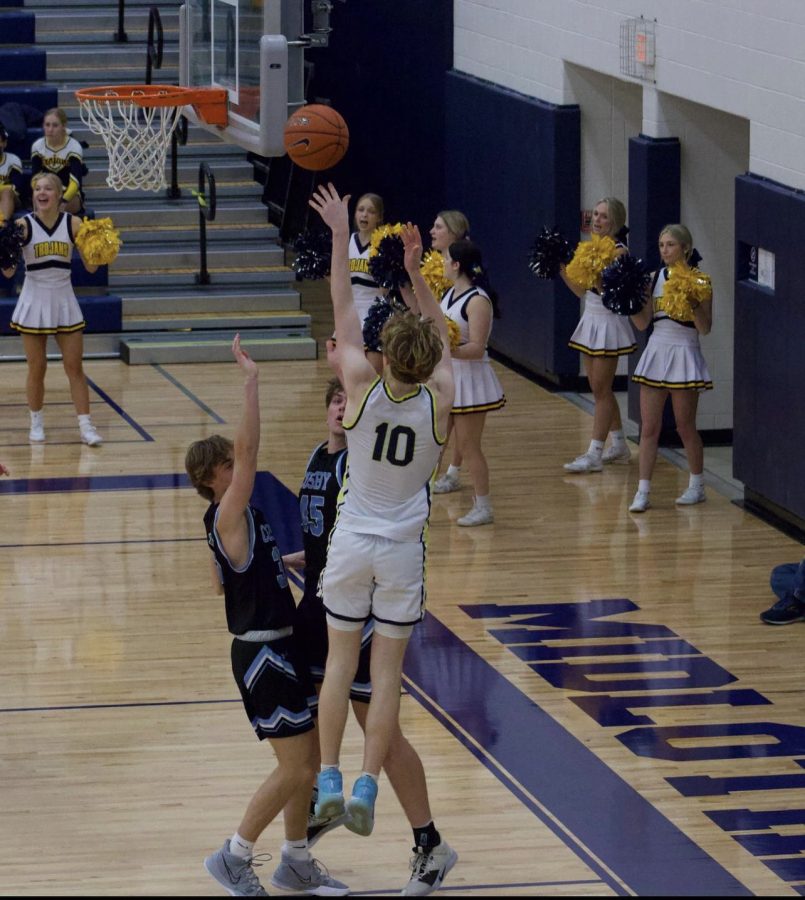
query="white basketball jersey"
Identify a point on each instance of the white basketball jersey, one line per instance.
(393, 451)
(48, 251)
(364, 287)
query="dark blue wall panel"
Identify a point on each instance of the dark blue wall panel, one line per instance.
(23, 65)
(769, 396)
(654, 201)
(385, 72)
(512, 165)
(18, 27)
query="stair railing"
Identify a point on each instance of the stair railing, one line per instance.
(179, 136)
(206, 213)
(153, 52)
(120, 35)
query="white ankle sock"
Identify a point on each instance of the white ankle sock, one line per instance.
(36, 417)
(85, 421)
(696, 481)
(618, 438)
(483, 502)
(296, 850)
(240, 847)
(453, 471)
(644, 485)
(595, 449)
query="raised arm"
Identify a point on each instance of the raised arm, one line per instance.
(334, 210)
(231, 523)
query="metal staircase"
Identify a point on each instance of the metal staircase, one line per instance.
(168, 316)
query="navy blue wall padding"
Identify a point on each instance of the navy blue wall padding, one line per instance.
(384, 72)
(654, 201)
(23, 65)
(103, 314)
(512, 166)
(769, 393)
(82, 278)
(43, 98)
(18, 27)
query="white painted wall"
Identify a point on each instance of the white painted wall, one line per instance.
(744, 57)
(730, 84)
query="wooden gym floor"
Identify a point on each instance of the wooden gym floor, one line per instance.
(598, 707)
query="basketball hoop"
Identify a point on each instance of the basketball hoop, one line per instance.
(136, 122)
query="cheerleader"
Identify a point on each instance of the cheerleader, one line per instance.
(10, 178)
(61, 154)
(369, 213)
(449, 226)
(478, 390)
(672, 363)
(47, 304)
(602, 337)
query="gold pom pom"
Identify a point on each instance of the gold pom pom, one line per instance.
(590, 260)
(98, 241)
(683, 286)
(432, 270)
(382, 231)
(453, 332)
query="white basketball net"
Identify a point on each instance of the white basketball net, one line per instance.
(136, 139)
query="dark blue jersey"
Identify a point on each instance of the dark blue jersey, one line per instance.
(317, 504)
(257, 594)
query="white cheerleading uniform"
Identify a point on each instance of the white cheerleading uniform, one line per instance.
(477, 387)
(376, 557)
(62, 162)
(47, 303)
(10, 172)
(601, 332)
(364, 287)
(673, 357)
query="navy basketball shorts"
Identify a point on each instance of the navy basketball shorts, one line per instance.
(275, 686)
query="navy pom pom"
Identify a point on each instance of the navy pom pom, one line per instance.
(624, 284)
(10, 246)
(379, 313)
(376, 318)
(314, 250)
(387, 265)
(548, 252)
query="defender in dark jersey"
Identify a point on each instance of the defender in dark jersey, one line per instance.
(273, 682)
(318, 496)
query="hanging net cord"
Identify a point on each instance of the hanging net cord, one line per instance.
(136, 139)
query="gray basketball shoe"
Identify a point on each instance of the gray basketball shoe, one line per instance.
(306, 877)
(234, 874)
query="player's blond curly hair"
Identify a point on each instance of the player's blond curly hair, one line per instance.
(412, 346)
(201, 459)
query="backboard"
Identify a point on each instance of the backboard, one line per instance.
(255, 50)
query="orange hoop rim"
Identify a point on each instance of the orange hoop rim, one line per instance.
(210, 103)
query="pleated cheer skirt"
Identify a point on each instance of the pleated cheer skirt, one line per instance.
(601, 332)
(674, 361)
(477, 387)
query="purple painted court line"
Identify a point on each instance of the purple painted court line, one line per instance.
(188, 393)
(119, 410)
(144, 703)
(598, 809)
(481, 887)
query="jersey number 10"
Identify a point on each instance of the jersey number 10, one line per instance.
(399, 448)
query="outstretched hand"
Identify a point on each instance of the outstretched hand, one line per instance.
(412, 247)
(331, 207)
(247, 364)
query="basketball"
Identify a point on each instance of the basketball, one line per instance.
(316, 137)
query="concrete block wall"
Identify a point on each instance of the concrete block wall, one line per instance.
(744, 57)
